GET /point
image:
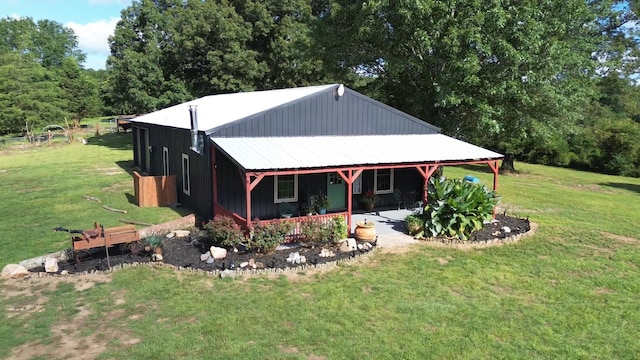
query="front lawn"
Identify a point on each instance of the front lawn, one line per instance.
(569, 291)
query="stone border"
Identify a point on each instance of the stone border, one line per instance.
(217, 273)
(457, 243)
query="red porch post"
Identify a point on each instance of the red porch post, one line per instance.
(426, 173)
(247, 190)
(249, 185)
(349, 179)
(494, 167)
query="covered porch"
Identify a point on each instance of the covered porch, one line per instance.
(343, 159)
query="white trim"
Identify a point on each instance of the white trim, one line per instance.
(186, 175)
(147, 152)
(357, 185)
(295, 190)
(165, 161)
(375, 183)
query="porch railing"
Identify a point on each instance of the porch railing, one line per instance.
(296, 233)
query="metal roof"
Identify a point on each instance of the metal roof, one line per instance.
(279, 153)
(218, 110)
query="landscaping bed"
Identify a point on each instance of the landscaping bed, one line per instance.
(185, 252)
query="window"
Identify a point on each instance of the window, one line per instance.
(186, 177)
(285, 188)
(165, 161)
(357, 185)
(383, 181)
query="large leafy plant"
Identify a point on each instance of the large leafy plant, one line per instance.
(457, 208)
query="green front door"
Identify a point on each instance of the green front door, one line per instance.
(336, 191)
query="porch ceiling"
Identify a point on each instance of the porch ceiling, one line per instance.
(279, 153)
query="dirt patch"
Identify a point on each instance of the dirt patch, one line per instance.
(591, 187)
(620, 238)
(603, 291)
(68, 337)
(118, 187)
(289, 349)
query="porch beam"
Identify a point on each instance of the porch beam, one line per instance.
(253, 183)
(346, 178)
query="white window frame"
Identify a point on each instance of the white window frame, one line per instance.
(357, 185)
(165, 161)
(295, 190)
(186, 175)
(375, 183)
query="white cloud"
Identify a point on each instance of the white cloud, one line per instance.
(93, 37)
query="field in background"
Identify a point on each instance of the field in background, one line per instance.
(569, 291)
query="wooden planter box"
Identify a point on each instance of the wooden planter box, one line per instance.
(153, 191)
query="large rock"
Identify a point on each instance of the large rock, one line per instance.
(178, 234)
(205, 256)
(15, 271)
(349, 245)
(51, 265)
(218, 253)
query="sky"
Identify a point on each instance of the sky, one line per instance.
(92, 21)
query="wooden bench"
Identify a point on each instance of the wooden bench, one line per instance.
(105, 237)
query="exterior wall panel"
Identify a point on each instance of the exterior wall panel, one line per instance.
(324, 114)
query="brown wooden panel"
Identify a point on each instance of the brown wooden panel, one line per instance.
(152, 191)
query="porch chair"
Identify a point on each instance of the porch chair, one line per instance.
(397, 197)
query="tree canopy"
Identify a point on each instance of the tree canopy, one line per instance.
(537, 80)
(167, 51)
(41, 80)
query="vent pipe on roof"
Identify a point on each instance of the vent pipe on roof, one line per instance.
(197, 142)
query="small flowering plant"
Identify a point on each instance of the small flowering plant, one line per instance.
(368, 197)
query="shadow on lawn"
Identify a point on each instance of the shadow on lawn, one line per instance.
(624, 186)
(117, 141)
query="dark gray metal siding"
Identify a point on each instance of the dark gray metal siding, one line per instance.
(231, 193)
(178, 141)
(405, 180)
(327, 114)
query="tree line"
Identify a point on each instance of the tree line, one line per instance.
(537, 80)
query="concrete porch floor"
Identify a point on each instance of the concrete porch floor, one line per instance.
(390, 226)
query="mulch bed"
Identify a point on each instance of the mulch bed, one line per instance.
(185, 252)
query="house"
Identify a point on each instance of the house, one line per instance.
(244, 154)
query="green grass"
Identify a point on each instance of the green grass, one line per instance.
(43, 187)
(568, 292)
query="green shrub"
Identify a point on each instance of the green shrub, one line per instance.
(415, 225)
(338, 228)
(266, 237)
(314, 230)
(311, 230)
(457, 208)
(223, 231)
